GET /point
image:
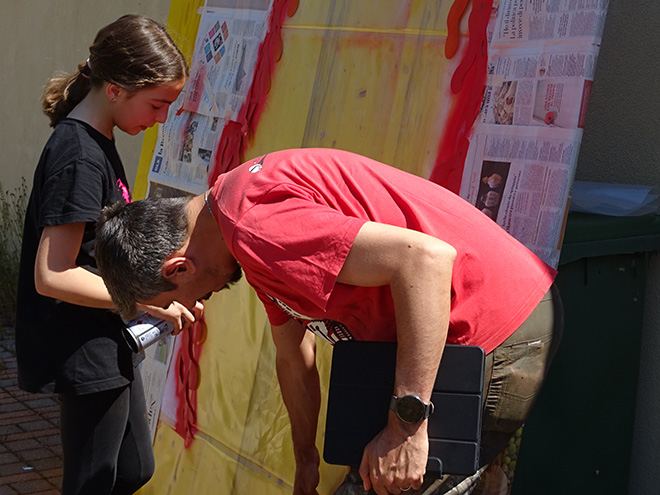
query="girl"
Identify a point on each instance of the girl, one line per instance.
(67, 339)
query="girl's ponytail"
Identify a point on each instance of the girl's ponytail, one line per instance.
(64, 91)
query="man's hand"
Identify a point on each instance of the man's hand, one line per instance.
(395, 460)
(307, 474)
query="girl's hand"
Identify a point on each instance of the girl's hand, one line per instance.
(177, 313)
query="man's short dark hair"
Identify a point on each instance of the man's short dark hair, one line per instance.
(133, 240)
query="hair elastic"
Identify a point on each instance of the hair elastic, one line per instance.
(89, 68)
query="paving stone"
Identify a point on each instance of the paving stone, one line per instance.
(7, 458)
(12, 407)
(33, 454)
(7, 490)
(35, 425)
(32, 486)
(40, 402)
(19, 478)
(50, 440)
(25, 444)
(9, 429)
(52, 474)
(25, 416)
(20, 435)
(11, 469)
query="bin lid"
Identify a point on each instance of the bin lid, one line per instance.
(589, 235)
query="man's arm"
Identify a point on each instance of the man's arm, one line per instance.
(418, 269)
(299, 383)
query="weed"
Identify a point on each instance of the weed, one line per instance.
(12, 212)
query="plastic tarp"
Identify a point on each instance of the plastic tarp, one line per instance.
(370, 77)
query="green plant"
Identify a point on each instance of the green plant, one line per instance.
(12, 211)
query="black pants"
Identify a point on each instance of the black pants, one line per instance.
(106, 441)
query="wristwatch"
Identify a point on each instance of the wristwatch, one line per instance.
(410, 408)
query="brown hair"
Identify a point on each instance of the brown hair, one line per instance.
(133, 240)
(133, 52)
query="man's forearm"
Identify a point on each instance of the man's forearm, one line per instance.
(418, 270)
(302, 398)
(299, 383)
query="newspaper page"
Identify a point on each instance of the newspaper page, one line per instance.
(224, 61)
(522, 181)
(154, 372)
(542, 88)
(522, 21)
(222, 71)
(180, 163)
(524, 146)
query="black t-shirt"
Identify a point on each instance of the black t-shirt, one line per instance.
(62, 347)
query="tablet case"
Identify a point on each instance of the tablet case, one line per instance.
(361, 385)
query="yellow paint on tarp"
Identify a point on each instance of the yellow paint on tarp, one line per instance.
(352, 76)
(372, 81)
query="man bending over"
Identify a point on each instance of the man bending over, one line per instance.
(343, 247)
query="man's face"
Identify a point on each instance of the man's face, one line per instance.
(201, 288)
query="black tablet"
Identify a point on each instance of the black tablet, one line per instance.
(361, 384)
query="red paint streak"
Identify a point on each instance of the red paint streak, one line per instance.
(229, 154)
(468, 84)
(456, 12)
(186, 366)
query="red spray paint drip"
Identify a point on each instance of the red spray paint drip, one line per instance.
(229, 154)
(468, 84)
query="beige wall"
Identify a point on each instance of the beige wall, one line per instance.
(37, 39)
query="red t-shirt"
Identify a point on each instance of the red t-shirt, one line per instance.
(290, 219)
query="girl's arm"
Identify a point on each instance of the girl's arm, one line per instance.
(56, 275)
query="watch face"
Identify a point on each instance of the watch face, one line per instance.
(410, 409)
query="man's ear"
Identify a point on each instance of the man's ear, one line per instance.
(177, 267)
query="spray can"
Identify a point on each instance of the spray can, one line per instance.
(146, 330)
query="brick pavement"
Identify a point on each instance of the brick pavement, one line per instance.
(30, 449)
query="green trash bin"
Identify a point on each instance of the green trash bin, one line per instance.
(578, 438)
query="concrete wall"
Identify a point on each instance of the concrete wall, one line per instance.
(39, 38)
(621, 144)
